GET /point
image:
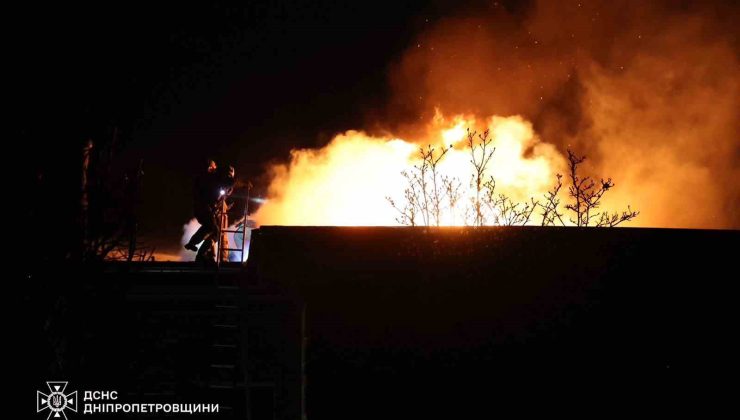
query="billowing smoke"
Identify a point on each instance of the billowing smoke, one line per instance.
(188, 230)
(650, 91)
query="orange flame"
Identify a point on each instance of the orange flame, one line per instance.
(346, 182)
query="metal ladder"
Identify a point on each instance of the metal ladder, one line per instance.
(227, 367)
(223, 220)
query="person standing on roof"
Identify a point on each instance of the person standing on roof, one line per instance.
(206, 194)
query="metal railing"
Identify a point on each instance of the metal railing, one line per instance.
(222, 247)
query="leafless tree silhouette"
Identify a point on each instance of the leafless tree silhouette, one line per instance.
(433, 207)
(428, 193)
(587, 194)
(453, 194)
(481, 152)
(426, 190)
(501, 210)
(411, 206)
(613, 219)
(511, 213)
(550, 214)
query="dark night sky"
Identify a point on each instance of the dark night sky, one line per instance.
(242, 84)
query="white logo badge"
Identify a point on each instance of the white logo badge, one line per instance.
(56, 401)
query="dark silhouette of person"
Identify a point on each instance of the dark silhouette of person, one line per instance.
(210, 190)
(205, 197)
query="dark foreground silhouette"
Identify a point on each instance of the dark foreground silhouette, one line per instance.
(400, 322)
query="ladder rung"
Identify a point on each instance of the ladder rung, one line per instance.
(232, 231)
(231, 249)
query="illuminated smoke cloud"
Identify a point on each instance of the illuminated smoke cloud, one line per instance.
(649, 92)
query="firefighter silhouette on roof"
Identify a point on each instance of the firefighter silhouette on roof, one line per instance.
(211, 188)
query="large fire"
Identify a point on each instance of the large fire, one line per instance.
(649, 91)
(346, 183)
